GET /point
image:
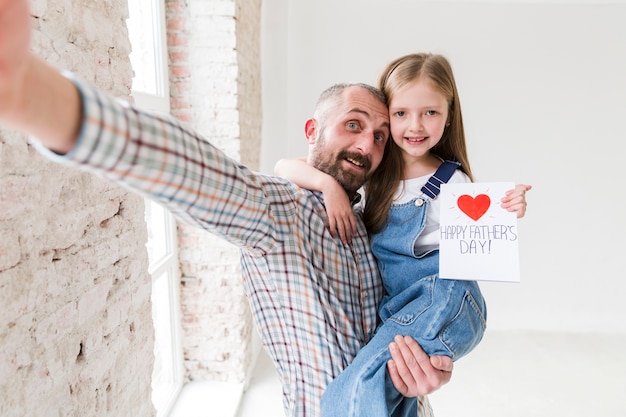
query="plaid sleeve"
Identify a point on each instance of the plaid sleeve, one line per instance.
(160, 158)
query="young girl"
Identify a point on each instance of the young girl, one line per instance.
(446, 317)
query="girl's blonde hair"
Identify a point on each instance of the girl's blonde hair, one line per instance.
(382, 186)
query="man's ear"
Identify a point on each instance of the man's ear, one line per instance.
(310, 131)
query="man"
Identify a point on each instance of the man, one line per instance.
(314, 299)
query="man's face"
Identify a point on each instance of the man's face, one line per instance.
(350, 145)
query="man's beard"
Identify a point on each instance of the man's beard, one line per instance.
(330, 163)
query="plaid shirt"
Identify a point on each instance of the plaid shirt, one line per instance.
(314, 299)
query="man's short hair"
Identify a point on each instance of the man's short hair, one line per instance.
(329, 98)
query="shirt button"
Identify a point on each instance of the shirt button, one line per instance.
(419, 202)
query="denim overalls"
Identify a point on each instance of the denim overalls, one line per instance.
(446, 317)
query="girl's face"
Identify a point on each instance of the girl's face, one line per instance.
(418, 114)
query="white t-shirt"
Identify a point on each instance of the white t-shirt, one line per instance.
(411, 189)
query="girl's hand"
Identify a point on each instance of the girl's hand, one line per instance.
(515, 199)
(341, 218)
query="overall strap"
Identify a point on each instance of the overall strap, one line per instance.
(441, 176)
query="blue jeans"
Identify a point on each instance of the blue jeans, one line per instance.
(446, 317)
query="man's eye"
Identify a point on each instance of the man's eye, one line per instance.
(353, 125)
(380, 137)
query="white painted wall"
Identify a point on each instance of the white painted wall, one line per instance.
(543, 90)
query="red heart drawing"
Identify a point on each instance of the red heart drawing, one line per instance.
(474, 207)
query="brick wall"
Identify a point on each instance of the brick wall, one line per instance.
(215, 86)
(76, 333)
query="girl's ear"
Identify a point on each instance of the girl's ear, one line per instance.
(310, 131)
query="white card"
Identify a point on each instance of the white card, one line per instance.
(478, 238)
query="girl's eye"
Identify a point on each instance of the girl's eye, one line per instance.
(431, 112)
(399, 113)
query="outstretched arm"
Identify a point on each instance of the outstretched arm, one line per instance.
(34, 97)
(341, 219)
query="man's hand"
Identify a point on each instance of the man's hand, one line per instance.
(34, 97)
(413, 372)
(15, 29)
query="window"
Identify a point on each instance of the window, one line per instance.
(146, 27)
(167, 375)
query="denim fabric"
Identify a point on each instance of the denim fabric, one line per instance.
(446, 317)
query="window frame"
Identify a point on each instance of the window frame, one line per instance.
(166, 265)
